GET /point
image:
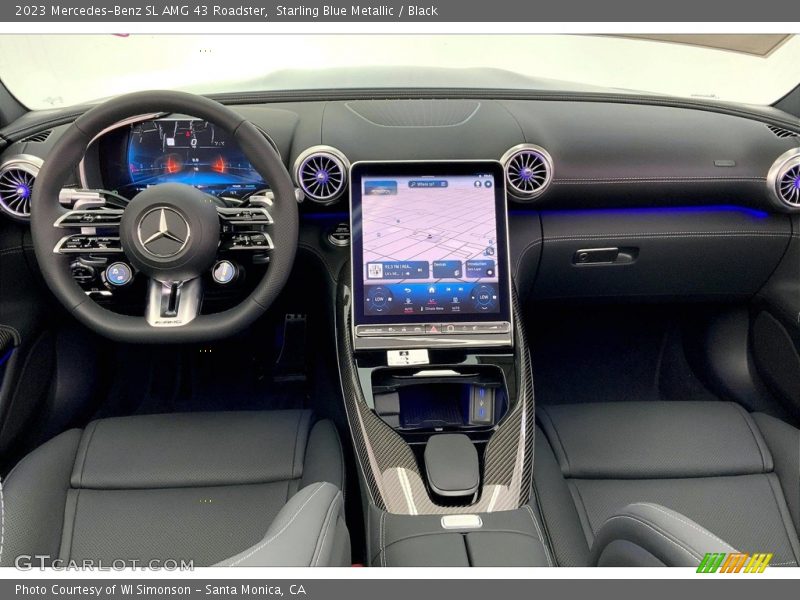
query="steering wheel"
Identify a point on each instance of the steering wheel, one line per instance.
(170, 232)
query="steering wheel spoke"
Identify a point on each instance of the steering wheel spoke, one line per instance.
(173, 303)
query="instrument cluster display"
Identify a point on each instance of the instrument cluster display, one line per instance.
(188, 151)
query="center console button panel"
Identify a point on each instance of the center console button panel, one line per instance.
(433, 329)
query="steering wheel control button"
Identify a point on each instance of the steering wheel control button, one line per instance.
(90, 218)
(118, 274)
(224, 272)
(340, 235)
(83, 274)
(250, 240)
(85, 243)
(245, 216)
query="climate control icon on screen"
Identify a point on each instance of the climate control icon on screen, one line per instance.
(484, 297)
(379, 299)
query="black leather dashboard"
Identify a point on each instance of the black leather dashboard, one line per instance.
(684, 186)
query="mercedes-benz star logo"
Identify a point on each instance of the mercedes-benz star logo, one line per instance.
(163, 232)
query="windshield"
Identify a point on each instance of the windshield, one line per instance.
(49, 71)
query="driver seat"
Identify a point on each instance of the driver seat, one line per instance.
(237, 488)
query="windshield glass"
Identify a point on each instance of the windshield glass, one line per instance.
(49, 71)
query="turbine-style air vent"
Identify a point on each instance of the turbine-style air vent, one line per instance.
(781, 132)
(789, 185)
(17, 177)
(321, 172)
(529, 170)
(783, 179)
(39, 137)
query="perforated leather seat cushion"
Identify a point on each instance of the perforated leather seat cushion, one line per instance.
(199, 487)
(729, 471)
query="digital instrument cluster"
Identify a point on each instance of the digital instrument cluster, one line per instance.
(188, 151)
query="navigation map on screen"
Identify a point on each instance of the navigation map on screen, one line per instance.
(430, 245)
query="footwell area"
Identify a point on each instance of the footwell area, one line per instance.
(613, 354)
(239, 374)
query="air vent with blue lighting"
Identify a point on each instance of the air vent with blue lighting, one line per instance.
(529, 171)
(321, 172)
(17, 177)
(790, 186)
(784, 179)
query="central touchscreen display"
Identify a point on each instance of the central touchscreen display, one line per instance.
(430, 245)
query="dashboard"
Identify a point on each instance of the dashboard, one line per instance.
(607, 197)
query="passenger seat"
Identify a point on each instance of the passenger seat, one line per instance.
(649, 483)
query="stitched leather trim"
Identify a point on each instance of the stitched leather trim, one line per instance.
(700, 530)
(677, 543)
(331, 518)
(282, 530)
(541, 537)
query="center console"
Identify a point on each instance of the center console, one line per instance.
(434, 366)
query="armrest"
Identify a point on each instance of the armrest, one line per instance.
(309, 530)
(644, 534)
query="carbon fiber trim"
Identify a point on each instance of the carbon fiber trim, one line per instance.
(388, 466)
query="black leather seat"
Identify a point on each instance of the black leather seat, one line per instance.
(693, 477)
(246, 488)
